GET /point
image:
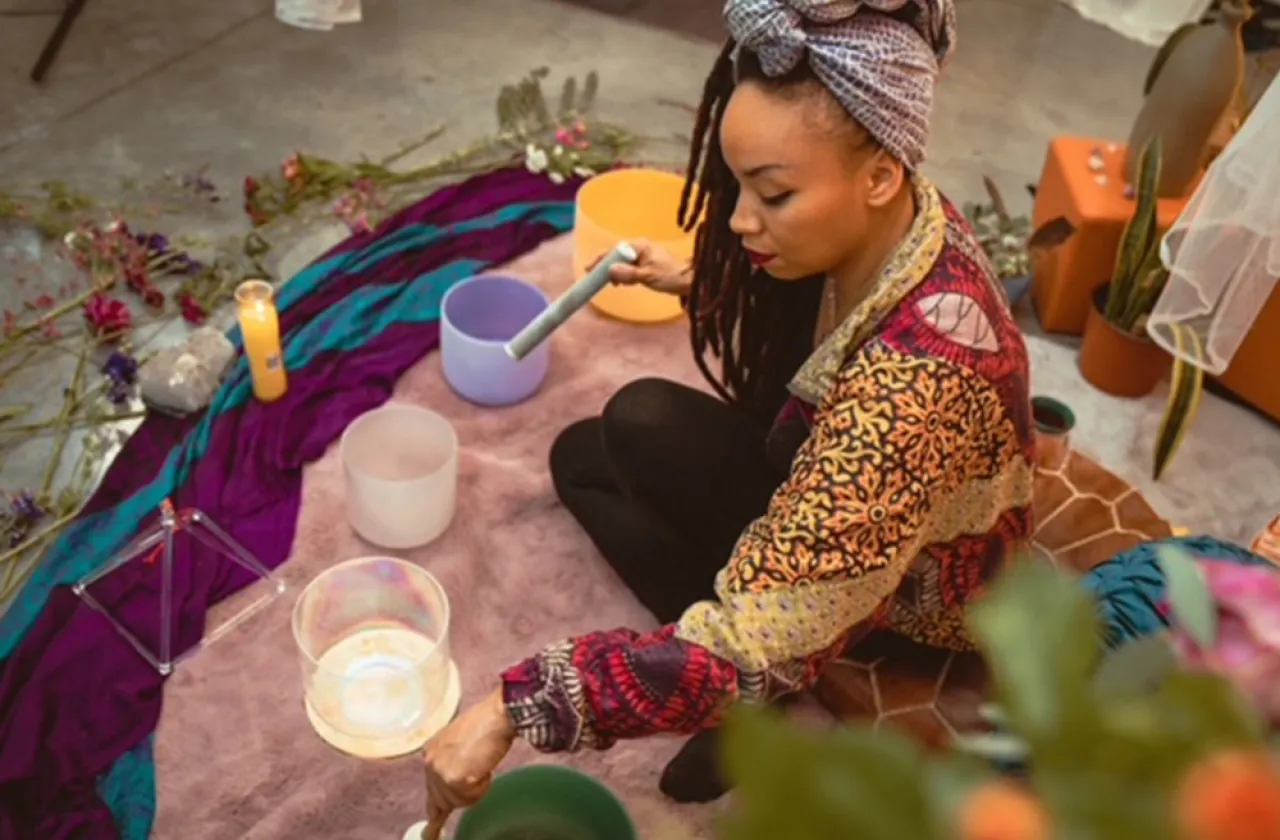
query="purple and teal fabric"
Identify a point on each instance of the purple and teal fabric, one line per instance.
(78, 707)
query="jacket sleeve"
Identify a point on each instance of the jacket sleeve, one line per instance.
(894, 440)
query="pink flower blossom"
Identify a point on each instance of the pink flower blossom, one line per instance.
(1247, 648)
(291, 169)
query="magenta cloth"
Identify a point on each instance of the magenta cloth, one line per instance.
(74, 697)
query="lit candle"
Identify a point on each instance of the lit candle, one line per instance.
(260, 327)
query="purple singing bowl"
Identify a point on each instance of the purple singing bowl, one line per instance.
(477, 318)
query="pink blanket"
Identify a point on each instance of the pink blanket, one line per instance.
(236, 757)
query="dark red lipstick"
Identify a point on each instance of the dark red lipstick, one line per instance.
(758, 259)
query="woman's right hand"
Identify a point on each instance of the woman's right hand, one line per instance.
(655, 269)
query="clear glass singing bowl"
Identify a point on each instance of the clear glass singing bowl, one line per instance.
(373, 645)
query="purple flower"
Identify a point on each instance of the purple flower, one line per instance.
(201, 185)
(155, 243)
(121, 371)
(24, 513)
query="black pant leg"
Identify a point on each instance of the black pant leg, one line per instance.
(664, 482)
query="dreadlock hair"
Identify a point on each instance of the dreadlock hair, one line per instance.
(760, 329)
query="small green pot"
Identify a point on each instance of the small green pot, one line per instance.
(546, 802)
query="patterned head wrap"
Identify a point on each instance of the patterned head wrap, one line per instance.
(882, 70)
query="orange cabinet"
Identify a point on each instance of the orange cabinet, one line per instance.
(1082, 180)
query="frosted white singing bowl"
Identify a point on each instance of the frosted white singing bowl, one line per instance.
(401, 468)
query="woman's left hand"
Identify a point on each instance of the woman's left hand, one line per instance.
(461, 758)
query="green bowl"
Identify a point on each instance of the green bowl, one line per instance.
(546, 802)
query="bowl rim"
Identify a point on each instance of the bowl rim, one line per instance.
(413, 568)
(480, 279)
(393, 407)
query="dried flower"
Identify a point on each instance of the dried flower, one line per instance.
(202, 186)
(156, 243)
(193, 312)
(1231, 796)
(108, 318)
(1246, 649)
(153, 297)
(291, 169)
(252, 206)
(535, 159)
(353, 207)
(23, 515)
(121, 371)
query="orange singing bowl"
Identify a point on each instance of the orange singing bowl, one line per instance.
(626, 205)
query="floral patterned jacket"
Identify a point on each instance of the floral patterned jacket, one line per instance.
(909, 491)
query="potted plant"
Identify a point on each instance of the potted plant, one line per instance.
(1009, 241)
(1054, 421)
(1116, 356)
(1158, 740)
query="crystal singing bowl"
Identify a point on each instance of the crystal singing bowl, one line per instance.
(373, 645)
(400, 465)
(477, 318)
(626, 205)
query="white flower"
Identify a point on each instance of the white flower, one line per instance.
(556, 177)
(583, 171)
(535, 159)
(72, 237)
(558, 151)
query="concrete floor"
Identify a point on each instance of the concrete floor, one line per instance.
(144, 87)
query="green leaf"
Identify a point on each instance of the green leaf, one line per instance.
(1201, 713)
(1140, 238)
(1193, 607)
(796, 784)
(1185, 393)
(1138, 667)
(569, 98)
(590, 88)
(1039, 631)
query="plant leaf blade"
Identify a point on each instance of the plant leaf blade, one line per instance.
(1189, 597)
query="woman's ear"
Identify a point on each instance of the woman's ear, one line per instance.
(886, 177)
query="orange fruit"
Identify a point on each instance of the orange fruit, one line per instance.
(1231, 796)
(1002, 811)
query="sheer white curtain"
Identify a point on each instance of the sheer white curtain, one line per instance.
(1148, 21)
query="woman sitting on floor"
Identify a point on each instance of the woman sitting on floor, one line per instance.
(867, 461)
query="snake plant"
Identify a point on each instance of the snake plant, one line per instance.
(1139, 276)
(1184, 397)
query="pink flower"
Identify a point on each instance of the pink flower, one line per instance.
(1247, 648)
(107, 317)
(291, 169)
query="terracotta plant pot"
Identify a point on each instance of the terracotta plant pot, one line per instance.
(1117, 362)
(1054, 422)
